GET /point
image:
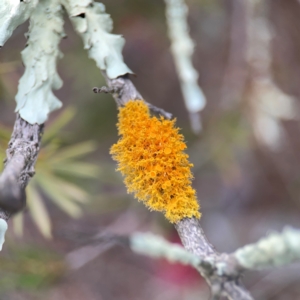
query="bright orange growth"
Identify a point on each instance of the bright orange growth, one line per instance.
(150, 156)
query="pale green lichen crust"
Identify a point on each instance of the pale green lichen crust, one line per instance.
(94, 25)
(182, 47)
(277, 249)
(35, 99)
(157, 247)
(12, 14)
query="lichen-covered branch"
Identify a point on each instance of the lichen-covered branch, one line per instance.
(21, 154)
(270, 105)
(94, 26)
(189, 230)
(12, 14)
(157, 247)
(218, 269)
(277, 249)
(235, 73)
(35, 99)
(222, 271)
(182, 48)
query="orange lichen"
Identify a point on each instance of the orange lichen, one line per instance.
(151, 159)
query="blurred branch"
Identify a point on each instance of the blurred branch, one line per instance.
(103, 240)
(260, 36)
(21, 154)
(157, 247)
(270, 105)
(80, 257)
(222, 271)
(235, 74)
(182, 48)
(275, 250)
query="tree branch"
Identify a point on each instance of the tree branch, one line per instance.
(222, 271)
(275, 250)
(21, 155)
(182, 48)
(193, 238)
(189, 229)
(223, 278)
(124, 90)
(219, 270)
(35, 100)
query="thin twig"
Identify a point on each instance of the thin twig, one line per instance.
(106, 90)
(123, 90)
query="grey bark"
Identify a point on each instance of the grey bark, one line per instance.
(193, 238)
(124, 90)
(221, 271)
(21, 156)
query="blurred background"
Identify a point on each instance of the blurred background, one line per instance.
(246, 163)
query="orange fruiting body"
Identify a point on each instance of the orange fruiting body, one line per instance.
(150, 156)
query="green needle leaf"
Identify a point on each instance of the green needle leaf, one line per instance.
(38, 211)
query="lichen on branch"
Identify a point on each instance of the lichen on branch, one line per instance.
(275, 250)
(94, 26)
(157, 247)
(151, 158)
(35, 99)
(12, 14)
(182, 48)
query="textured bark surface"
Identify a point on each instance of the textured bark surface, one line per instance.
(21, 156)
(193, 238)
(221, 271)
(124, 90)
